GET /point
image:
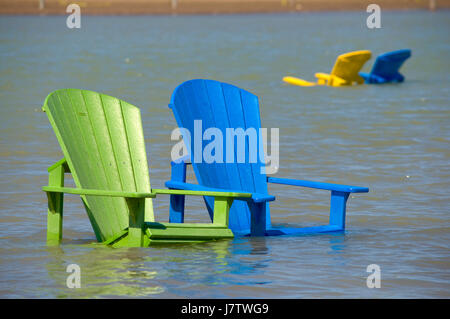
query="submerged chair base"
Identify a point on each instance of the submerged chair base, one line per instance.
(386, 68)
(323, 79)
(172, 233)
(259, 226)
(140, 233)
(344, 72)
(282, 231)
(375, 79)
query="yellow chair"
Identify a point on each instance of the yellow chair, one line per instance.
(344, 72)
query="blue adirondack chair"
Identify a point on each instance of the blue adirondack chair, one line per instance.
(222, 106)
(386, 68)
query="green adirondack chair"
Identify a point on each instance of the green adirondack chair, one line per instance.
(102, 140)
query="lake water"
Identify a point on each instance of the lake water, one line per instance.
(394, 139)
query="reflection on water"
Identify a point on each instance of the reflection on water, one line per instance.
(104, 273)
(392, 138)
(137, 272)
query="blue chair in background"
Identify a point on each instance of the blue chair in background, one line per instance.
(220, 105)
(386, 68)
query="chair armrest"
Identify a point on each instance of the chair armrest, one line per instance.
(256, 197)
(218, 193)
(318, 185)
(322, 76)
(152, 194)
(97, 192)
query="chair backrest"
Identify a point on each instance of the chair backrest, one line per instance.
(102, 140)
(349, 64)
(222, 106)
(388, 64)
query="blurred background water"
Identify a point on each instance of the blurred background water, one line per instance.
(391, 138)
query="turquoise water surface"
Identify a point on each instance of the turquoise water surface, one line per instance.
(391, 138)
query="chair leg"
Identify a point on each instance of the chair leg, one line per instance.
(222, 207)
(337, 208)
(136, 207)
(55, 207)
(177, 201)
(258, 218)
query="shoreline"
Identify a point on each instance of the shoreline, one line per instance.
(208, 7)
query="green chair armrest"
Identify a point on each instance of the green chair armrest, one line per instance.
(152, 194)
(96, 192)
(201, 193)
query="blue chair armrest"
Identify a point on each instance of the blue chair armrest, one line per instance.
(318, 185)
(256, 197)
(339, 196)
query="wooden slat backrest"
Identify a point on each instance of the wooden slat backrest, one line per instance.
(102, 140)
